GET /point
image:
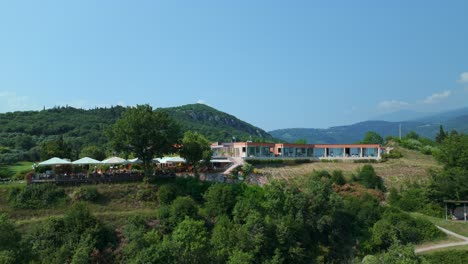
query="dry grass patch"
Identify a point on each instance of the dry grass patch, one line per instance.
(413, 167)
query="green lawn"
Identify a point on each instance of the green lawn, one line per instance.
(458, 248)
(8, 171)
(459, 227)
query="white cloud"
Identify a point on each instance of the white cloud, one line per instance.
(201, 101)
(392, 105)
(10, 101)
(434, 98)
(463, 77)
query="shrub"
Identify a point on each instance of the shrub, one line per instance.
(278, 161)
(411, 144)
(369, 178)
(36, 196)
(191, 186)
(447, 256)
(337, 177)
(365, 161)
(166, 194)
(396, 225)
(182, 207)
(393, 154)
(219, 199)
(85, 193)
(147, 193)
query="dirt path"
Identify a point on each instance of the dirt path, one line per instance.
(445, 245)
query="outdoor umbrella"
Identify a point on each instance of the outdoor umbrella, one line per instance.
(86, 161)
(114, 161)
(135, 161)
(54, 161)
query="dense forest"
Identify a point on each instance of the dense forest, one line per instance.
(24, 135)
(323, 220)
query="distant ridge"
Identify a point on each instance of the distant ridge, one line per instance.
(427, 126)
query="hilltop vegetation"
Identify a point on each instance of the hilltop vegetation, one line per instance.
(24, 134)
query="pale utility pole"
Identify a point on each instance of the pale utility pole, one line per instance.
(400, 131)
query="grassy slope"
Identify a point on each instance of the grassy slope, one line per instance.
(395, 172)
(116, 203)
(20, 167)
(459, 227)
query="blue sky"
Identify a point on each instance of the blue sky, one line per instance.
(275, 64)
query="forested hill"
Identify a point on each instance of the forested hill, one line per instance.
(214, 124)
(22, 133)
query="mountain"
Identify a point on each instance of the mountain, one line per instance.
(22, 133)
(214, 124)
(427, 126)
(401, 115)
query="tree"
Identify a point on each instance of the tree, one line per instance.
(93, 152)
(24, 142)
(372, 138)
(454, 151)
(10, 237)
(301, 141)
(145, 133)
(219, 199)
(190, 241)
(412, 135)
(441, 135)
(195, 147)
(55, 148)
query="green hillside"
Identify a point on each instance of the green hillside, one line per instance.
(22, 133)
(214, 124)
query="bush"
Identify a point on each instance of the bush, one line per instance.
(220, 199)
(393, 154)
(337, 177)
(36, 196)
(397, 226)
(330, 160)
(365, 161)
(182, 207)
(166, 194)
(278, 161)
(411, 144)
(428, 150)
(447, 256)
(191, 186)
(369, 178)
(147, 193)
(85, 193)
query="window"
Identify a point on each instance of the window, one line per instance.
(279, 150)
(243, 149)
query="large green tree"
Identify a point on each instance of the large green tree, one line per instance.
(452, 181)
(55, 148)
(94, 152)
(372, 137)
(145, 133)
(441, 135)
(195, 147)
